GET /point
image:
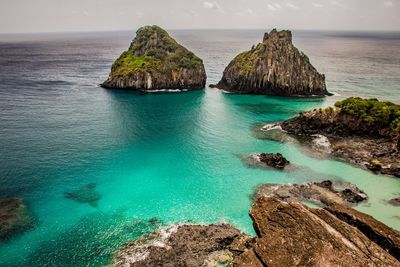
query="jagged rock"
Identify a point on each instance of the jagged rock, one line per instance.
(276, 161)
(273, 67)
(85, 194)
(185, 245)
(363, 131)
(14, 217)
(290, 234)
(155, 61)
(320, 193)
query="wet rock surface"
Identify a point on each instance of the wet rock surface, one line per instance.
(155, 61)
(276, 161)
(394, 201)
(273, 67)
(320, 193)
(14, 217)
(185, 245)
(85, 194)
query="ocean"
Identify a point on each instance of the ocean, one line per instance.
(174, 157)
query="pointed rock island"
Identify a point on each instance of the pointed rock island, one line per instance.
(273, 67)
(155, 61)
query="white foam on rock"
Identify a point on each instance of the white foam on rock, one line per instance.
(321, 141)
(271, 126)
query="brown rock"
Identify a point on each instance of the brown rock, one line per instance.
(276, 161)
(290, 234)
(14, 217)
(273, 67)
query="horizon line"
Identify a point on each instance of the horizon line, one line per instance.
(200, 29)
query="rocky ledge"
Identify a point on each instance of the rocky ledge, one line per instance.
(14, 217)
(365, 132)
(288, 234)
(155, 61)
(320, 193)
(273, 67)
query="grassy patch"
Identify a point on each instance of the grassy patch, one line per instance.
(384, 114)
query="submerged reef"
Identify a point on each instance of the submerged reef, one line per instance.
(85, 194)
(365, 132)
(155, 61)
(273, 67)
(14, 217)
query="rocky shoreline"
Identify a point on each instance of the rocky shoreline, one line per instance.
(362, 140)
(288, 233)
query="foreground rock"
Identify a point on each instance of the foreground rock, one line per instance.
(288, 234)
(320, 193)
(185, 245)
(14, 217)
(273, 67)
(363, 131)
(155, 61)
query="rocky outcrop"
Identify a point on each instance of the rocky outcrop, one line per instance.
(276, 161)
(320, 193)
(363, 131)
(155, 61)
(185, 245)
(394, 201)
(14, 217)
(288, 234)
(273, 67)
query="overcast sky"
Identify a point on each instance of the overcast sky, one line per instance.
(104, 15)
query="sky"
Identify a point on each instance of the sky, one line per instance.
(29, 16)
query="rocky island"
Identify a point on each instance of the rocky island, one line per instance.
(273, 67)
(155, 61)
(288, 233)
(365, 132)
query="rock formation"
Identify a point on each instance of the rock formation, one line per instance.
(276, 161)
(363, 131)
(14, 217)
(320, 193)
(273, 67)
(288, 234)
(155, 61)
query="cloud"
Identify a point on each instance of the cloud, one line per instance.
(274, 6)
(318, 5)
(291, 5)
(388, 3)
(213, 5)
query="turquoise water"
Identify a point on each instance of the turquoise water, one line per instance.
(175, 157)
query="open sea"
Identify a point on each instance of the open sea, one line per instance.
(175, 157)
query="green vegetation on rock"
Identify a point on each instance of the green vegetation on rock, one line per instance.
(385, 114)
(155, 52)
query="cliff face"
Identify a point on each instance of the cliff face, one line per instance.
(273, 67)
(154, 61)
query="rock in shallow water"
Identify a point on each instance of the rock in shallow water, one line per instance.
(320, 193)
(273, 67)
(276, 161)
(155, 61)
(14, 217)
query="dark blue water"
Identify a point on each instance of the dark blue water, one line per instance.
(175, 157)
